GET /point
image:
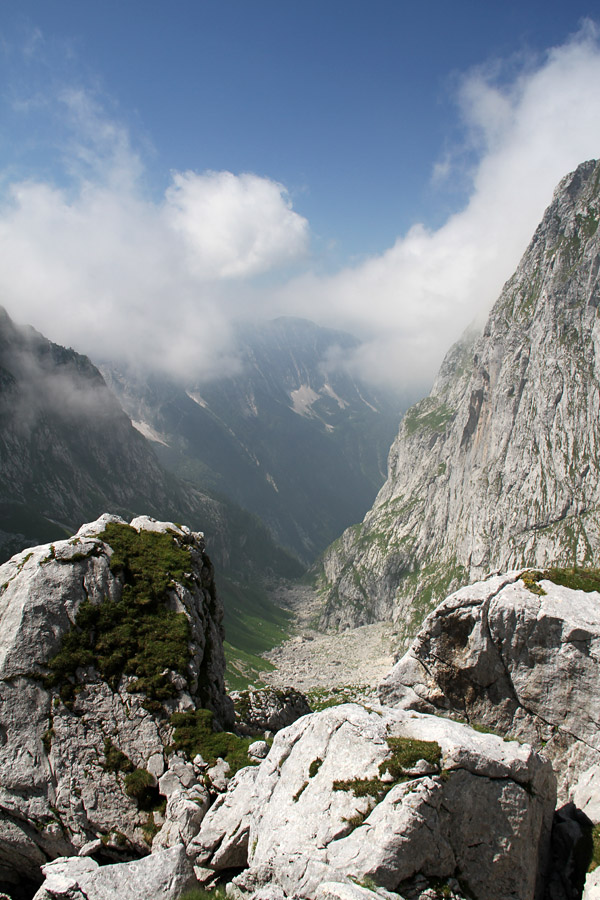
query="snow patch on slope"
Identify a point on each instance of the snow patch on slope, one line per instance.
(150, 433)
(302, 400)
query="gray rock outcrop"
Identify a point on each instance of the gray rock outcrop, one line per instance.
(522, 663)
(498, 468)
(161, 876)
(268, 709)
(102, 638)
(383, 797)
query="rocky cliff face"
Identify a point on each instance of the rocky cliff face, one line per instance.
(291, 437)
(104, 639)
(499, 467)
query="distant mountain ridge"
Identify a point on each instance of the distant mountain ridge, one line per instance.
(68, 453)
(291, 437)
(499, 467)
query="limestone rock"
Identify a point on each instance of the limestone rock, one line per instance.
(219, 776)
(498, 468)
(222, 842)
(591, 890)
(317, 808)
(258, 750)
(184, 812)
(268, 709)
(160, 876)
(524, 664)
(69, 742)
(335, 890)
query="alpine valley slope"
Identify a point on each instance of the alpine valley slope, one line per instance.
(68, 453)
(292, 437)
(499, 468)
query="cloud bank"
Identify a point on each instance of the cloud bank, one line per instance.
(526, 133)
(102, 267)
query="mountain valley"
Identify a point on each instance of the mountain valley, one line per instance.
(452, 748)
(292, 437)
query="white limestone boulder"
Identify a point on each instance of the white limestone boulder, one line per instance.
(64, 761)
(320, 808)
(160, 876)
(526, 664)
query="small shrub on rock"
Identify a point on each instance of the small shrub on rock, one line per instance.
(194, 733)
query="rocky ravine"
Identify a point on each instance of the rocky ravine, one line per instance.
(290, 437)
(499, 467)
(326, 665)
(68, 452)
(102, 639)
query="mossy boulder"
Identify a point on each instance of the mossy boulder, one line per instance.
(105, 638)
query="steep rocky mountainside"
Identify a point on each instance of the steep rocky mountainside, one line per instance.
(68, 452)
(105, 640)
(499, 467)
(291, 437)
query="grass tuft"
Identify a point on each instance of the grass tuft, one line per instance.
(574, 577)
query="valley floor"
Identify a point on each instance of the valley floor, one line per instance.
(350, 663)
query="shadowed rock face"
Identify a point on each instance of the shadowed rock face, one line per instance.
(520, 662)
(102, 638)
(351, 794)
(499, 467)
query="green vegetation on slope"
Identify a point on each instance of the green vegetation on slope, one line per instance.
(194, 734)
(253, 625)
(405, 753)
(137, 635)
(428, 414)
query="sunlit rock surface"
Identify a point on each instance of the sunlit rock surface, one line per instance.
(81, 750)
(385, 796)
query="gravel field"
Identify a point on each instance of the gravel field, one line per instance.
(320, 664)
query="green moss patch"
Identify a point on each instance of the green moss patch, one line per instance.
(595, 849)
(363, 787)
(405, 753)
(194, 733)
(314, 767)
(299, 792)
(141, 787)
(429, 414)
(114, 759)
(137, 635)
(217, 893)
(574, 577)
(139, 784)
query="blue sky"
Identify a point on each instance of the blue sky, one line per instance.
(352, 147)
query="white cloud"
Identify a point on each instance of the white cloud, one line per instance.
(234, 226)
(103, 268)
(412, 301)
